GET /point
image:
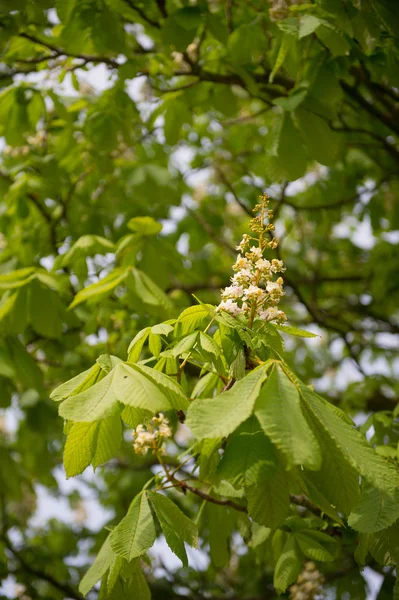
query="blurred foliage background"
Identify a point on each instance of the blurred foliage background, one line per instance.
(184, 112)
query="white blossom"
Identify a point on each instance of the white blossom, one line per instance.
(253, 291)
(151, 436)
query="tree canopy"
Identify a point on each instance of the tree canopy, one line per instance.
(137, 138)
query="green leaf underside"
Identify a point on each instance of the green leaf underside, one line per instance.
(353, 445)
(375, 511)
(249, 456)
(176, 527)
(99, 567)
(135, 534)
(128, 384)
(269, 500)
(278, 409)
(217, 417)
(78, 384)
(288, 566)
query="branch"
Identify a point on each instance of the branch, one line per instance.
(142, 14)
(369, 107)
(61, 52)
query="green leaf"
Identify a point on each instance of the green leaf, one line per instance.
(249, 456)
(148, 291)
(269, 500)
(134, 416)
(278, 409)
(308, 25)
(375, 511)
(219, 416)
(286, 43)
(45, 322)
(16, 279)
(317, 545)
(28, 372)
(321, 142)
(186, 344)
(221, 525)
(136, 585)
(136, 345)
(135, 534)
(128, 384)
(104, 286)
(288, 566)
(169, 388)
(353, 445)
(294, 331)
(108, 440)
(144, 225)
(78, 384)
(288, 158)
(87, 245)
(79, 448)
(155, 344)
(192, 318)
(97, 570)
(176, 527)
(207, 346)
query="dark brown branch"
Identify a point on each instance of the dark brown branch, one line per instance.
(142, 14)
(354, 93)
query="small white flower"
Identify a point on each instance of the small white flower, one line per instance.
(233, 291)
(277, 266)
(256, 252)
(254, 292)
(230, 307)
(263, 265)
(241, 263)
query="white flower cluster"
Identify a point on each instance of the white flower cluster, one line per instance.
(309, 584)
(37, 140)
(151, 436)
(253, 291)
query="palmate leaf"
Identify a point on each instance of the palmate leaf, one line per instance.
(375, 511)
(135, 534)
(193, 318)
(269, 499)
(91, 443)
(78, 384)
(99, 567)
(98, 289)
(288, 566)
(249, 456)
(129, 384)
(353, 445)
(147, 290)
(79, 447)
(176, 527)
(136, 345)
(317, 545)
(217, 417)
(108, 440)
(221, 524)
(278, 409)
(337, 481)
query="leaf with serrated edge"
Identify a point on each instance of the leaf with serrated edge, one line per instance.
(278, 409)
(354, 446)
(135, 534)
(98, 568)
(176, 527)
(217, 417)
(375, 511)
(79, 448)
(108, 441)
